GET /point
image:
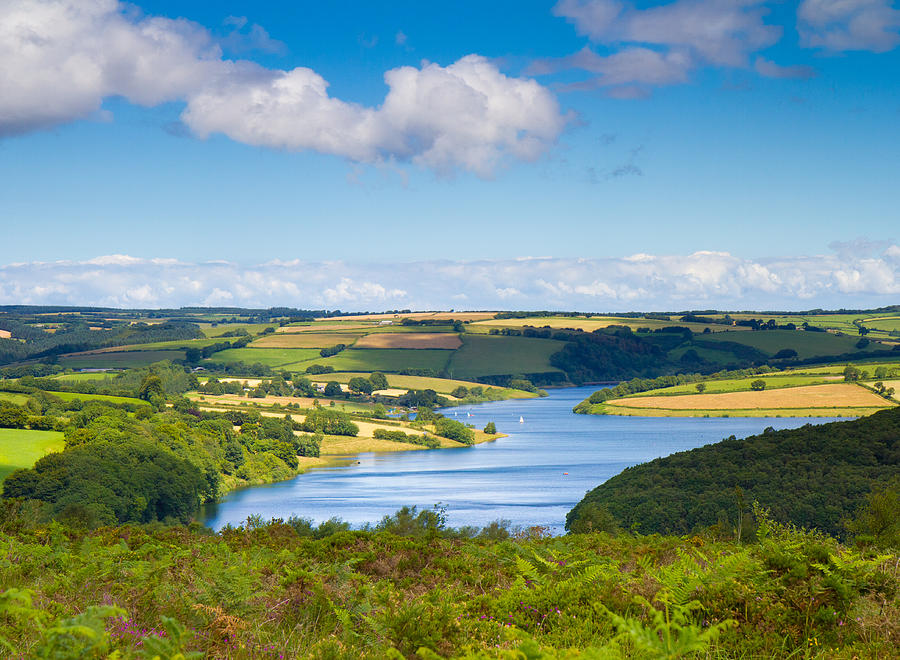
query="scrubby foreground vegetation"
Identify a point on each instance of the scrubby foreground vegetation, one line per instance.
(410, 588)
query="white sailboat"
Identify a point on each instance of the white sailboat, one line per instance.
(521, 420)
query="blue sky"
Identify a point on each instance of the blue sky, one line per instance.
(579, 130)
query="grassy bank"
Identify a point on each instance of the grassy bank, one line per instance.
(21, 449)
(815, 392)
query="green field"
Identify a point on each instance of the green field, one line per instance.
(90, 376)
(270, 357)
(807, 344)
(119, 359)
(70, 396)
(488, 355)
(741, 384)
(884, 323)
(839, 322)
(379, 359)
(20, 448)
(20, 398)
(171, 345)
(839, 368)
(217, 331)
(709, 354)
(14, 397)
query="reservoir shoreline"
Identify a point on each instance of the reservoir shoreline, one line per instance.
(531, 477)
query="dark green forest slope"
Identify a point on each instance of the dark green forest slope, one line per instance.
(814, 476)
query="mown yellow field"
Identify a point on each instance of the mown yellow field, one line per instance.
(810, 396)
(5, 334)
(251, 382)
(334, 446)
(236, 400)
(392, 391)
(461, 316)
(447, 340)
(896, 385)
(597, 322)
(290, 329)
(304, 340)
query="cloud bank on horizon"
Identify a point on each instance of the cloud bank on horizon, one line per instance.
(858, 275)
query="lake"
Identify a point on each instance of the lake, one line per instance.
(533, 477)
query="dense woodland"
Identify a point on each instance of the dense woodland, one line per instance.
(817, 476)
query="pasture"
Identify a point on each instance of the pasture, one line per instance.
(709, 354)
(375, 359)
(220, 329)
(870, 367)
(807, 344)
(417, 340)
(17, 398)
(175, 344)
(837, 395)
(488, 355)
(71, 396)
(117, 359)
(270, 357)
(82, 377)
(884, 323)
(21, 449)
(304, 340)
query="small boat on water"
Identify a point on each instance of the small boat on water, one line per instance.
(521, 420)
(565, 474)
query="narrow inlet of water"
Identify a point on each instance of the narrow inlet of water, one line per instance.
(532, 477)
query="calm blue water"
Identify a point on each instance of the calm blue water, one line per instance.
(519, 478)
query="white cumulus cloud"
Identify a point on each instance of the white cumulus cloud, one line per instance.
(465, 115)
(60, 59)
